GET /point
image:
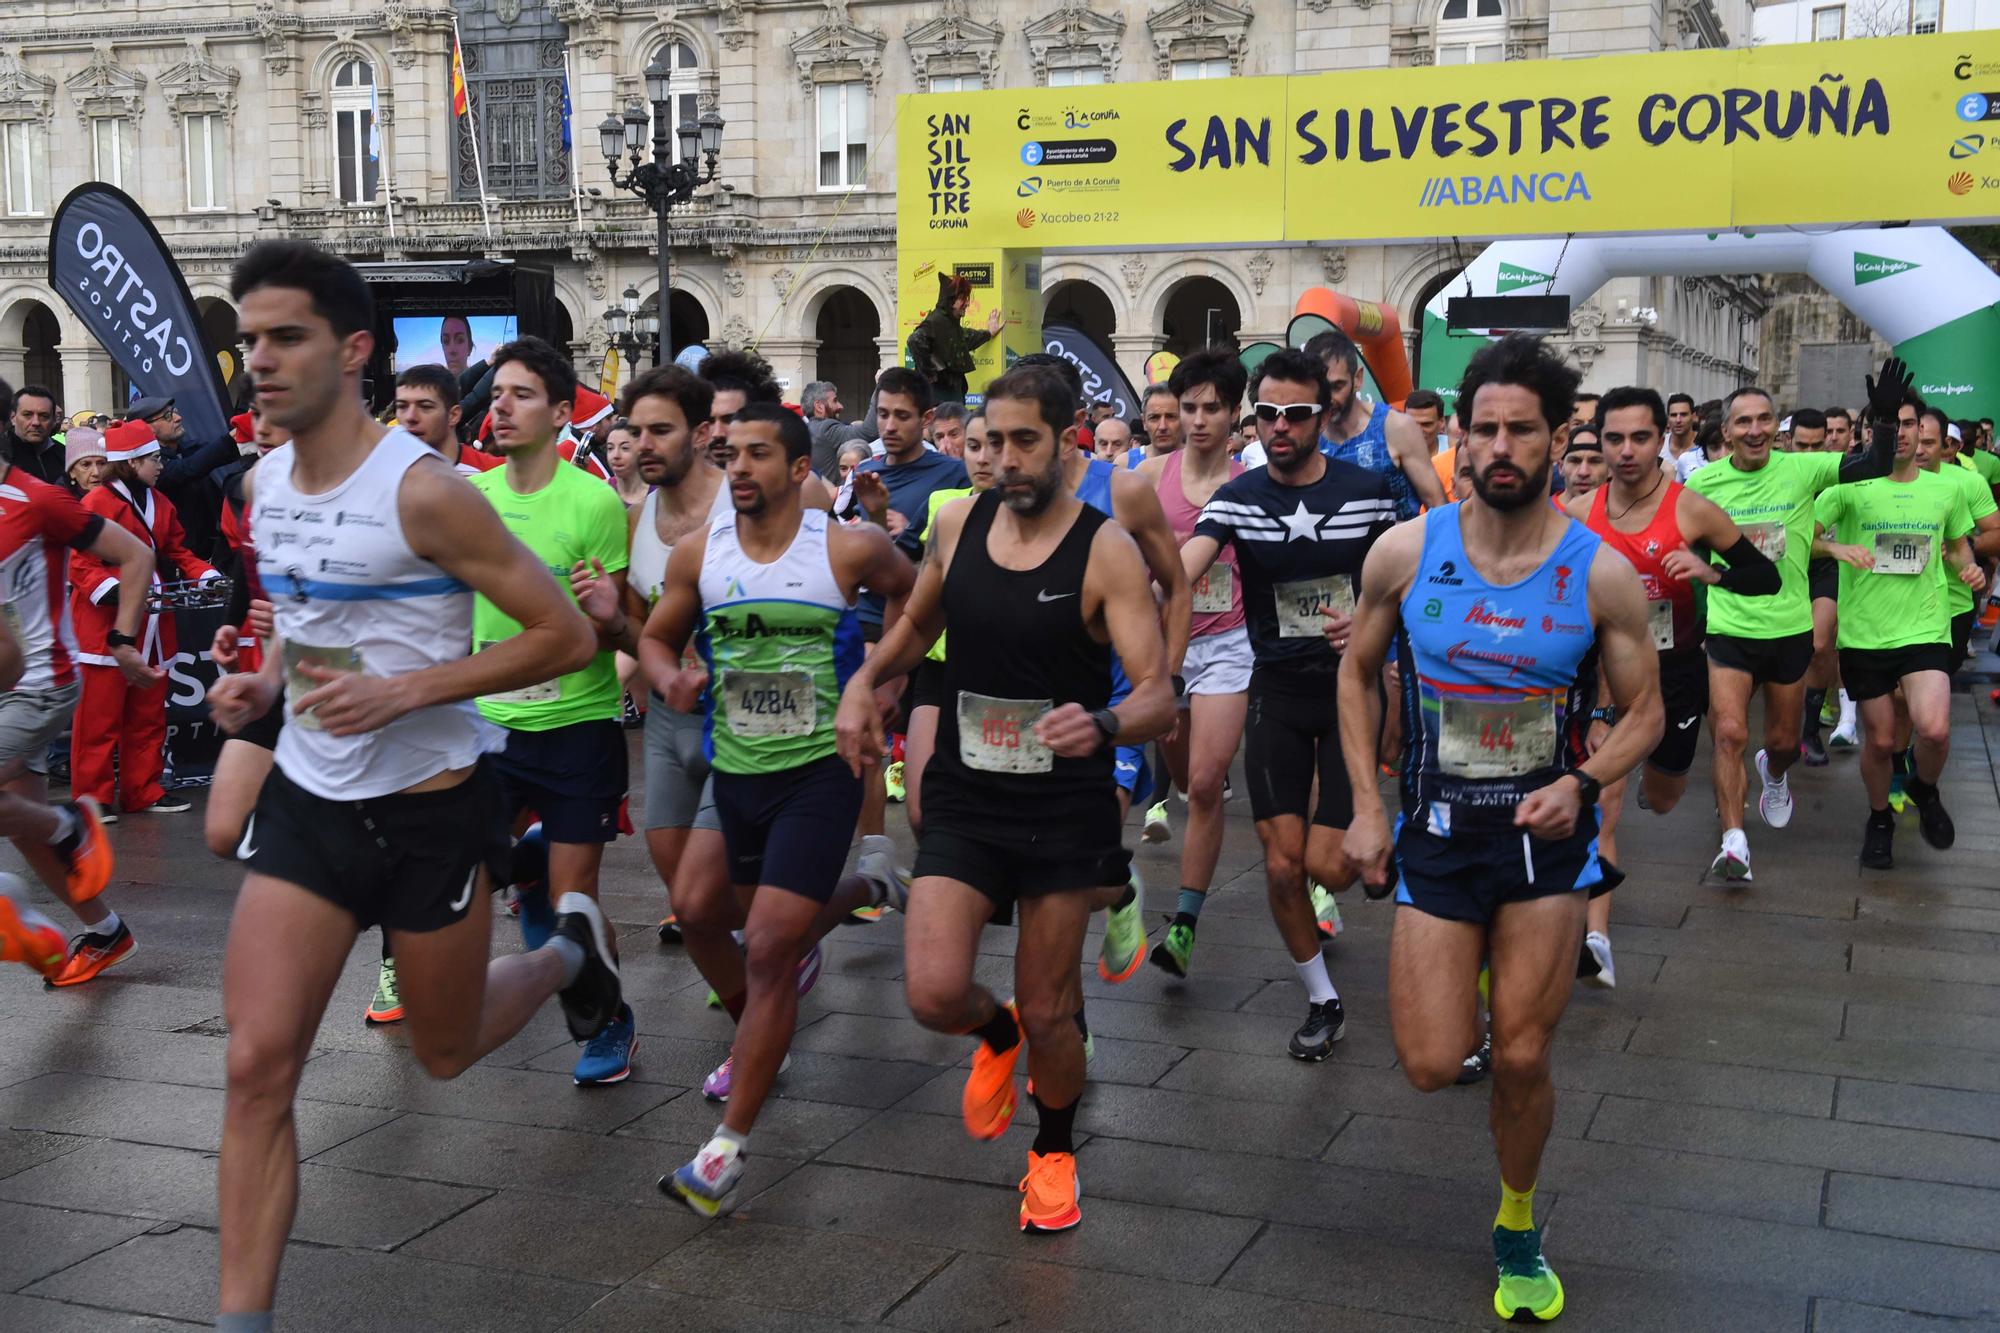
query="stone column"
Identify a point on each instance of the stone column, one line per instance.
(1131, 351)
(86, 374)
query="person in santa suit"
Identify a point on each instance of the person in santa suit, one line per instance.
(115, 717)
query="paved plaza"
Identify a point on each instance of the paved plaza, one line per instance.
(1786, 1117)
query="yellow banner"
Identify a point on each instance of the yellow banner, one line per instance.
(1899, 128)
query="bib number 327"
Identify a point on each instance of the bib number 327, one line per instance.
(1304, 605)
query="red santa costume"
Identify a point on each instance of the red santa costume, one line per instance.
(114, 717)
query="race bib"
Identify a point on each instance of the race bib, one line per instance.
(1215, 591)
(1481, 739)
(769, 703)
(299, 685)
(1902, 552)
(1768, 538)
(1304, 605)
(998, 735)
(1660, 619)
(546, 692)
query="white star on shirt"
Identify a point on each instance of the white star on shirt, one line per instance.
(1302, 523)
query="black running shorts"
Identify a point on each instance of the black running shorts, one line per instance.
(1471, 876)
(572, 777)
(1005, 870)
(1290, 734)
(1961, 638)
(406, 861)
(1823, 579)
(1870, 673)
(1684, 692)
(1781, 661)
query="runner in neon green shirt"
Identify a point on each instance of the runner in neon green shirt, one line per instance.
(1767, 642)
(1935, 455)
(1895, 536)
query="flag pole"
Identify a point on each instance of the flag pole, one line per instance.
(569, 134)
(472, 127)
(375, 151)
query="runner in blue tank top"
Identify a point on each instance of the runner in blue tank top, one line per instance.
(1383, 441)
(1505, 611)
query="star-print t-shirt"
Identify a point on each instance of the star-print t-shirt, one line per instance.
(1298, 551)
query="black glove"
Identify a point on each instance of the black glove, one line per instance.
(1886, 395)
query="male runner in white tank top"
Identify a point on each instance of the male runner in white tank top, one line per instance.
(379, 809)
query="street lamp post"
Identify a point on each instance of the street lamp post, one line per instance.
(664, 181)
(630, 331)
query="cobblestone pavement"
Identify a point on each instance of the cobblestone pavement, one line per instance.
(1786, 1117)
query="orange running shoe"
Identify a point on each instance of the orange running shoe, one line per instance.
(94, 953)
(26, 936)
(89, 860)
(989, 1088)
(1049, 1193)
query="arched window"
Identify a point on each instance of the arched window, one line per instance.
(1472, 32)
(357, 144)
(683, 83)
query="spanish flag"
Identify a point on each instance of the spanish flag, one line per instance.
(458, 102)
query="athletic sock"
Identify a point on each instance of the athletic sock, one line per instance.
(735, 1005)
(67, 827)
(1517, 1208)
(1055, 1131)
(1000, 1032)
(1312, 975)
(1188, 910)
(728, 1135)
(258, 1321)
(1846, 712)
(1923, 793)
(1899, 764)
(108, 927)
(1815, 700)
(1183, 919)
(571, 954)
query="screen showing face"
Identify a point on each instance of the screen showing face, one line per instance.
(453, 341)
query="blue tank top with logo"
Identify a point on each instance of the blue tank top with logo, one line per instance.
(1498, 682)
(1370, 449)
(1095, 490)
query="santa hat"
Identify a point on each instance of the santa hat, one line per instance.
(243, 427)
(129, 440)
(590, 408)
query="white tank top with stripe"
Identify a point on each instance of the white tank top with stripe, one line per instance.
(348, 592)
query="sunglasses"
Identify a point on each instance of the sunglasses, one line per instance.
(1295, 413)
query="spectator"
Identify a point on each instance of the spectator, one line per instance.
(184, 472)
(83, 459)
(30, 425)
(823, 410)
(852, 455)
(942, 348)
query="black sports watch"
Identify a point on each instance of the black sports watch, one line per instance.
(1588, 788)
(117, 640)
(1107, 723)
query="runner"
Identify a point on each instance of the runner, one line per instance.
(1374, 438)
(1036, 591)
(1839, 430)
(427, 406)
(1216, 675)
(1665, 531)
(1506, 611)
(63, 843)
(1766, 642)
(1161, 409)
(1811, 434)
(1301, 527)
(1679, 453)
(380, 808)
(774, 586)
(1583, 465)
(563, 765)
(1895, 536)
(1936, 454)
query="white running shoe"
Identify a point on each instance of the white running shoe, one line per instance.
(1776, 802)
(1600, 949)
(878, 863)
(1733, 861)
(1157, 828)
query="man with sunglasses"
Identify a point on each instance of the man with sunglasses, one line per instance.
(1301, 527)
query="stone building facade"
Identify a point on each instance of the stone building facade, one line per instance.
(233, 120)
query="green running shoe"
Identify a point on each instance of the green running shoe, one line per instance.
(1326, 912)
(1171, 954)
(1899, 799)
(892, 781)
(1157, 828)
(1124, 937)
(1829, 711)
(714, 1001)
(1528, 1286)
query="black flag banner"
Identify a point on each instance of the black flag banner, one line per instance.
(111, 266)
(1103, 381)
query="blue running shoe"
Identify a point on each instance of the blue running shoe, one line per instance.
(708, 1183)
(538, 916)
(607, 1057)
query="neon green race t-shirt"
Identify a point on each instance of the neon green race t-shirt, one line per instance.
(939, 499)
(575, 517)
(1774, 508)
(1905, 524)
(1987, 465)
(1978, 504)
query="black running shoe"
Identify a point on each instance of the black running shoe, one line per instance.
(1813, 749)
(1877, 839)
(1325, 1024)
(1932, 821)
(591, 1001)
(1477, 1065)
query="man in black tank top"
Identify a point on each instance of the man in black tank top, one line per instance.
(1036, 591)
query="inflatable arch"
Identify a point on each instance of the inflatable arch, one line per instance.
(1922, 291)
(1375, 330)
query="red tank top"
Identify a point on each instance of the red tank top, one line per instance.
(1220, 582)
(1669, 601)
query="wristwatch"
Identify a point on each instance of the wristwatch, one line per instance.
(1588, 788)
(1107, 723)
(117, 640)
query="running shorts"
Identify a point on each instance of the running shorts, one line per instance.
(1781, 661)
(676, 770)
(406, 861)
(572, 777)
(1218, 663)
(1470, 876)
(1291, 734)
(1005, 870)
(1684, 692)
(1961, 638)
(1870, 673)
(1823, 578)
(30, 720)
(789, 829)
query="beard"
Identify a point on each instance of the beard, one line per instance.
(668, 470)
(1533, 491)
(1042, 491)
